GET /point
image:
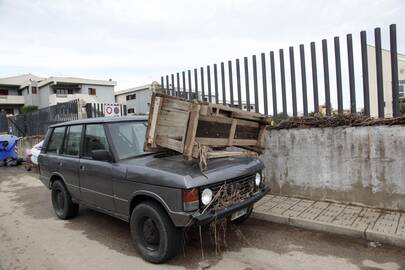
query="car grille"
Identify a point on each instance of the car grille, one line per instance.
(231, 191)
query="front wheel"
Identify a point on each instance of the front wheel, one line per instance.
(62, 201)
(154, 235)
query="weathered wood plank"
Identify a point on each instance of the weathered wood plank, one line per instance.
(232, 131)
(220, 154)
(169, 143)
(191, 131)
(153, 121)
(223, 142)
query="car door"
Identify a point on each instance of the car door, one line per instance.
(69, 160)
(96, 176)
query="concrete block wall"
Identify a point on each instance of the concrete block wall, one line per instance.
(360, 165)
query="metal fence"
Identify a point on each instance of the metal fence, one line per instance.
(37, 122)
(3, 123)
(257, 91)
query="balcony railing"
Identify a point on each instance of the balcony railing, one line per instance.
(17, 100)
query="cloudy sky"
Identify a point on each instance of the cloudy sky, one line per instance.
(134, 42)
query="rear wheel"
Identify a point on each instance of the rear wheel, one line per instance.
(154, 235)
(62, 201)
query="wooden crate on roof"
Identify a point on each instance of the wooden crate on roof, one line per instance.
(189, 126)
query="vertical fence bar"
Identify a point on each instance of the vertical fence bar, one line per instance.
(184, 85)
(293, 85)
(364, 66)
(304, 80)
(379, 70)
(223, 83)
(328, 105)
(189, 84)
(230, 82)
(394, 70)
(173, 91)
(209, 83)
(178, 84)
(255, 88)
(167, 85)
(273, 84)
(264, 81)
(216, 83)
(245, 59)
(314, 77)
(238, 84)
(162, 85)
(283, 91)
(338, 75)
(202, 84)
(196, 83)
(352, 85)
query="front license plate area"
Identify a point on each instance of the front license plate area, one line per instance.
(239, 213)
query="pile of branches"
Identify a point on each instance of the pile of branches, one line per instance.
(343, 120)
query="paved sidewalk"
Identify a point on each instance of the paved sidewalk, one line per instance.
(368, 223)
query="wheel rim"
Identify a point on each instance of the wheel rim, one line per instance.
(150, 234)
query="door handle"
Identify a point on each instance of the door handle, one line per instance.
(82, 167)
(60, 163)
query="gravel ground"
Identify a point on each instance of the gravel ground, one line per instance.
(31, 237)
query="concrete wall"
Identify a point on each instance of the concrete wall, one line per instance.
(104, 94)
(364, 165)
(140, 104)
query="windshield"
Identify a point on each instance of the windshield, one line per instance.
(128, 138)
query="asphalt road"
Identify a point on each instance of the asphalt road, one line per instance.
(31, 237)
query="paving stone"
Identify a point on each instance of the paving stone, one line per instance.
(401, 226)
(278, 199)
(348, 216)
(330, 213)
(313, 211)
(366, 219)
(298, 208)
(265, 199)
(283, 206)
(387, 223)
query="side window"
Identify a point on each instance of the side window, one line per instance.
(94, 139)
(72, 141)
(55, 142)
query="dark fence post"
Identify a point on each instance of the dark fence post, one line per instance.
(230, 82)
(209, 83)
(304, 80)
(223, 83)
(196, 83)
(167, 85)
(338, 75)
(282, 76)
(364, 66)
(293, 85)
(245, 59)
(273, 84)
(314, 77)
(394, 70)
(190, 89)
(202, 84)
(255, 88)
(216, 83)
(238, 84)
(184, 93)
(326, 76)
(178, 84)
(264, 80)
(162, 84)
(351, 73)
(379, 70)
(173, 93)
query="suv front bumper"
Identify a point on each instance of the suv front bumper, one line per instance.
(210, 215)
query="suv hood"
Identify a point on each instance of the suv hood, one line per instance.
(174, 171)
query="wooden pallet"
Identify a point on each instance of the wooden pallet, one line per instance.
(189, 126)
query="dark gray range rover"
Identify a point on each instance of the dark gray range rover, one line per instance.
(100, 163)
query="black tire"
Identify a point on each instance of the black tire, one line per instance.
(153, 233)
(243, 218)
(62, 201)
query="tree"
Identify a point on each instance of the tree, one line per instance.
(29, 108)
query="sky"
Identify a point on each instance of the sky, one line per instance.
(135, 42)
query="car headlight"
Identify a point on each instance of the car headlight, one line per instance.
(258, 179)
(206, 196)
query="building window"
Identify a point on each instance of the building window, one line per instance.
(130, 97)
(63, 91)
(34, 90)
(401, 89)
(3, 92)
(92, 91)
(131, 110)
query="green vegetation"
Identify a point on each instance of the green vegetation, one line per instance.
(29, 108)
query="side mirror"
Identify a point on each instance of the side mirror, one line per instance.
(101, 155)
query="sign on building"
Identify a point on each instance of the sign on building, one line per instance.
(112, 110)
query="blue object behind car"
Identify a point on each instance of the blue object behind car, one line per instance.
(8, 150)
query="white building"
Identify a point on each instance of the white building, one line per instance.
(28, 89)
(137, 99)
(387, 83)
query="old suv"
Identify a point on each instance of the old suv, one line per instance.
(100, 163)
